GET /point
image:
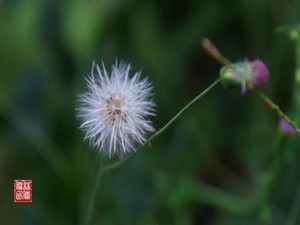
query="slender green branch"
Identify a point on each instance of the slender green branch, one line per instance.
(159, 132)
(277, 110)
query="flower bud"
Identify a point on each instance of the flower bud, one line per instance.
(260, 73)
(254, 73)
(235, 74)
(285, 127)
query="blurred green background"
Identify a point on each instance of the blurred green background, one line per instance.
(205, 169)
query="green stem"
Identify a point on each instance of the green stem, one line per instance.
(92, 201)
(159, 132)
(295, 210)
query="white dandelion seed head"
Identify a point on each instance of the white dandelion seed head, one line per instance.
(115, 108)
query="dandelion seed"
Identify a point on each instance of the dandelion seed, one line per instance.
(115, 108)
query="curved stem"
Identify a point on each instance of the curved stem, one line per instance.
(159, 132)
(92, 201)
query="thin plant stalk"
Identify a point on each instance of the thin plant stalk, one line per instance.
(93, 197)
(159, 132)
(277, 110)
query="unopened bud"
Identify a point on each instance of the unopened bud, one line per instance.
(285, 127)
(260, 73)
(254, 73)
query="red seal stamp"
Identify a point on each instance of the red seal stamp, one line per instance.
(23, 190)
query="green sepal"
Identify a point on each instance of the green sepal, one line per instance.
(235, 74)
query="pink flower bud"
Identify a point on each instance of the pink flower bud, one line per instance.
(285, 127)
(241, 74)
(260, 73)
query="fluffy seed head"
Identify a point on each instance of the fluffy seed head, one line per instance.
(115, 108)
